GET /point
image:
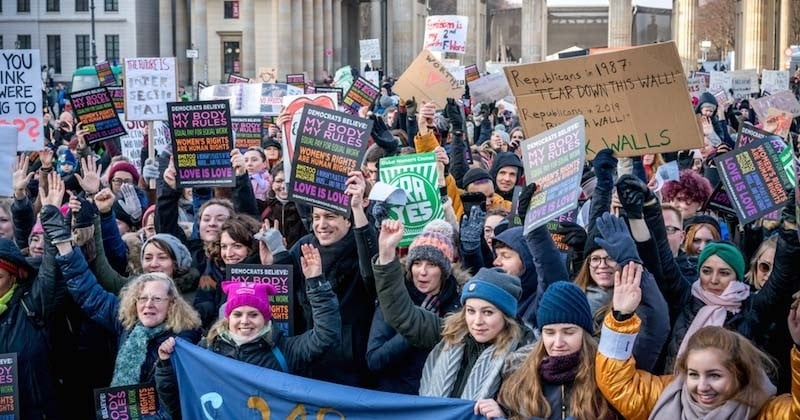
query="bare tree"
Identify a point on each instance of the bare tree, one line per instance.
(715, 23)
(794, 24)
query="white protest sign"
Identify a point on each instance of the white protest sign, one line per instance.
(132, 143)
(490, 88)
(446, 33)
(149, 84)
(740, 87)
(370, 49)
(774, 81)
(719, 80)
(697, 85)
(21, 96)
(750, 74)
(458, 73)
(374, 77)
(8, 153)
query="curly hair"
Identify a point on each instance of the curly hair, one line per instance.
(691, 187)
(242, 228)
(180, 315)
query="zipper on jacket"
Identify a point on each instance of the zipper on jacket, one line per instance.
(563, 402)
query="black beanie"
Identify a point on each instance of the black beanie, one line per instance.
(475, 174)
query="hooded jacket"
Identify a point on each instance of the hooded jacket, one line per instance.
(514, 239)
(720, 126)
(501, 160)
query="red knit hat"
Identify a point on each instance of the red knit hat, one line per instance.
(125, 167)
(248, 294)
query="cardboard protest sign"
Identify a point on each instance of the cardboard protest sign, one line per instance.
(696, 86)
(105, 74)
(471, 73)
(554, 161)
(416, 175)
(94, 108)
(251, 98)
(235, 78)
(21, 96)
(267, 75)
(132, 142)
(149, 84)
(247, 131)
(634, 100)
(755, 178)
(490, 88)
(297, 80)
(201, 143)
(126, 402)
(784, 100)
(719, 80)
(427, 79)
(293, 108)
(459, 73)
(369, 49)
(9, 386)
(327, 89)
(330, 144)
(361, 93)
(446, 33)
(280, 277)
(774, 81)
(118, 97)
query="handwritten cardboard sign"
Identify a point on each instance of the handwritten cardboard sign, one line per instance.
(755, 178)
(9, 386)
(370, 49)
(416, 175)
(471, 73)
(21, 96)
(132, 142)
(280, 277)
(446, 33)
(330, 144)
(427, 79)
(784, 100)
(490, 88)
(118, 97)
(105, 74)
(126, 402)
(740, 87)
(247, 131)
(95, 109)
(774, 81)
(373, 77)
(235, 78)
(267, 75)
(361, 93)
(201, 143)
(149, 84)
(554, 161)
(634, 101)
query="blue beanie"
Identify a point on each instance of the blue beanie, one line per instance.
(495, 286)
(564, 303)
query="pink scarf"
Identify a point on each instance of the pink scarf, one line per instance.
(716, 307)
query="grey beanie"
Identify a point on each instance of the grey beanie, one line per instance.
(183, 259)
(386, 101)
(503, 135)
(495, 286)
(434, 247)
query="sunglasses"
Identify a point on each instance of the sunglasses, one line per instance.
(764, 267)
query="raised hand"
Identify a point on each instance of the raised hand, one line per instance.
(391, 235)
(54, 195)
(271, 237)
(130, 202)
(46, 157)
(104, 200)
(356, 187)
(472, 228)
(237, 161)
(310, 261)
(171, 175)
(90, 181)
(150, 169)
(632, 194)
(616, 239)
(627, 290)
(21, 177)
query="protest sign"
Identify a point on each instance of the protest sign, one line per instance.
(293, 107)
(280, 277)
(777, 122)
(784, 100)
(459, 73)
(373, 77)
(750, 74)
(471, 73)
(266, 123)
(104, 74)
(327, 89)
(370, 49)
(94, 108)
(554, 161)
(696, 86)
(126, 402)
(235, 78)
(149, 84)
(446, 33)
(9, 386)
(267, 75)
(774, 81)
(132, 142)
(416, 175)
(246, 389)
(719, 80)
(721, 96)
(8, 155)
(247, 131)
(251, 98)
(720, 201)
(490, 88)
(201, 143)
(755, 178)
(118, 97)
(427, 79)
(343, 78)
(361, 93)
(705, 76)
(200, 87)
(740, 86)
(21, 96)
(616, 93)
(553, 226)
(297, 80)
(748, 134)
(329, 145)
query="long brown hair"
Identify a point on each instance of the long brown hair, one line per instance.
(455, 329)
(584, 279)
(523, 392)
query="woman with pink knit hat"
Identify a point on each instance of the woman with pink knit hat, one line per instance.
(246, 333)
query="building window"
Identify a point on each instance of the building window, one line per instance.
(23, 6)
(112, 49)
(112, 5)
(231, 10)
(53, 5)
(82, 50)
(1, 42)
(54, 51)
(81, 5)
(24, 42)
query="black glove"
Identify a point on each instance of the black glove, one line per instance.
(55, 227)
(574, 234)
(605, 164)
(788, 214)
(525, 199)
(453, 114)
(632, 194)
(85, 216)
(411, 107)
(380, 211)
(472, 199)
(382, 136)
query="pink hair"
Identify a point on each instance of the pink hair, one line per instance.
(691, 186)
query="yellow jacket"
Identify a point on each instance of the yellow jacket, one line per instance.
(634, 393)
(427, 143)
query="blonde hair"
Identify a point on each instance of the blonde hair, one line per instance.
(769, 243)
(455, 329)
(180, 315)
(523, 392)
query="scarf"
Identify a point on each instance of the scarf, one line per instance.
(239, 340)
(716, 307)
(7, 298)
(261, 184)
(132, 354)
(559, 370)
(676, 403)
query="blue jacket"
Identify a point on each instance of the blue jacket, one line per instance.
(514, 239)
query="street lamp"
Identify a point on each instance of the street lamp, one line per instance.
(705, 47)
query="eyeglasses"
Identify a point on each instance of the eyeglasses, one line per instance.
(120, 181)
(595, 261)
(671, 230)
(764, 267)
(155, 299)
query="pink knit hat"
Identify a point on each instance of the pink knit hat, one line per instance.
(248, 294)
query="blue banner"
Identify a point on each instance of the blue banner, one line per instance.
(216, 387)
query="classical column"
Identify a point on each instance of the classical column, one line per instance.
(534, 17)
(284, 45)
(683, 32)
(402, 50)
(248, 50)
(783, 37)
(620, 17)
(319, 41)
(200, 39)
(337, 35)
(308, 37)
(752, 37)
(476, 31)
(374, 19)
(327, 29)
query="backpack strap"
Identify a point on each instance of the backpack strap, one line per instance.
(33, 316)
(281, 360)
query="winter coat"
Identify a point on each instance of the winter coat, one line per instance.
(528, 300)
(291, 225)
(116, 249)
(720, 125)
(23, 217)
(502, 160)
(634, 393)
